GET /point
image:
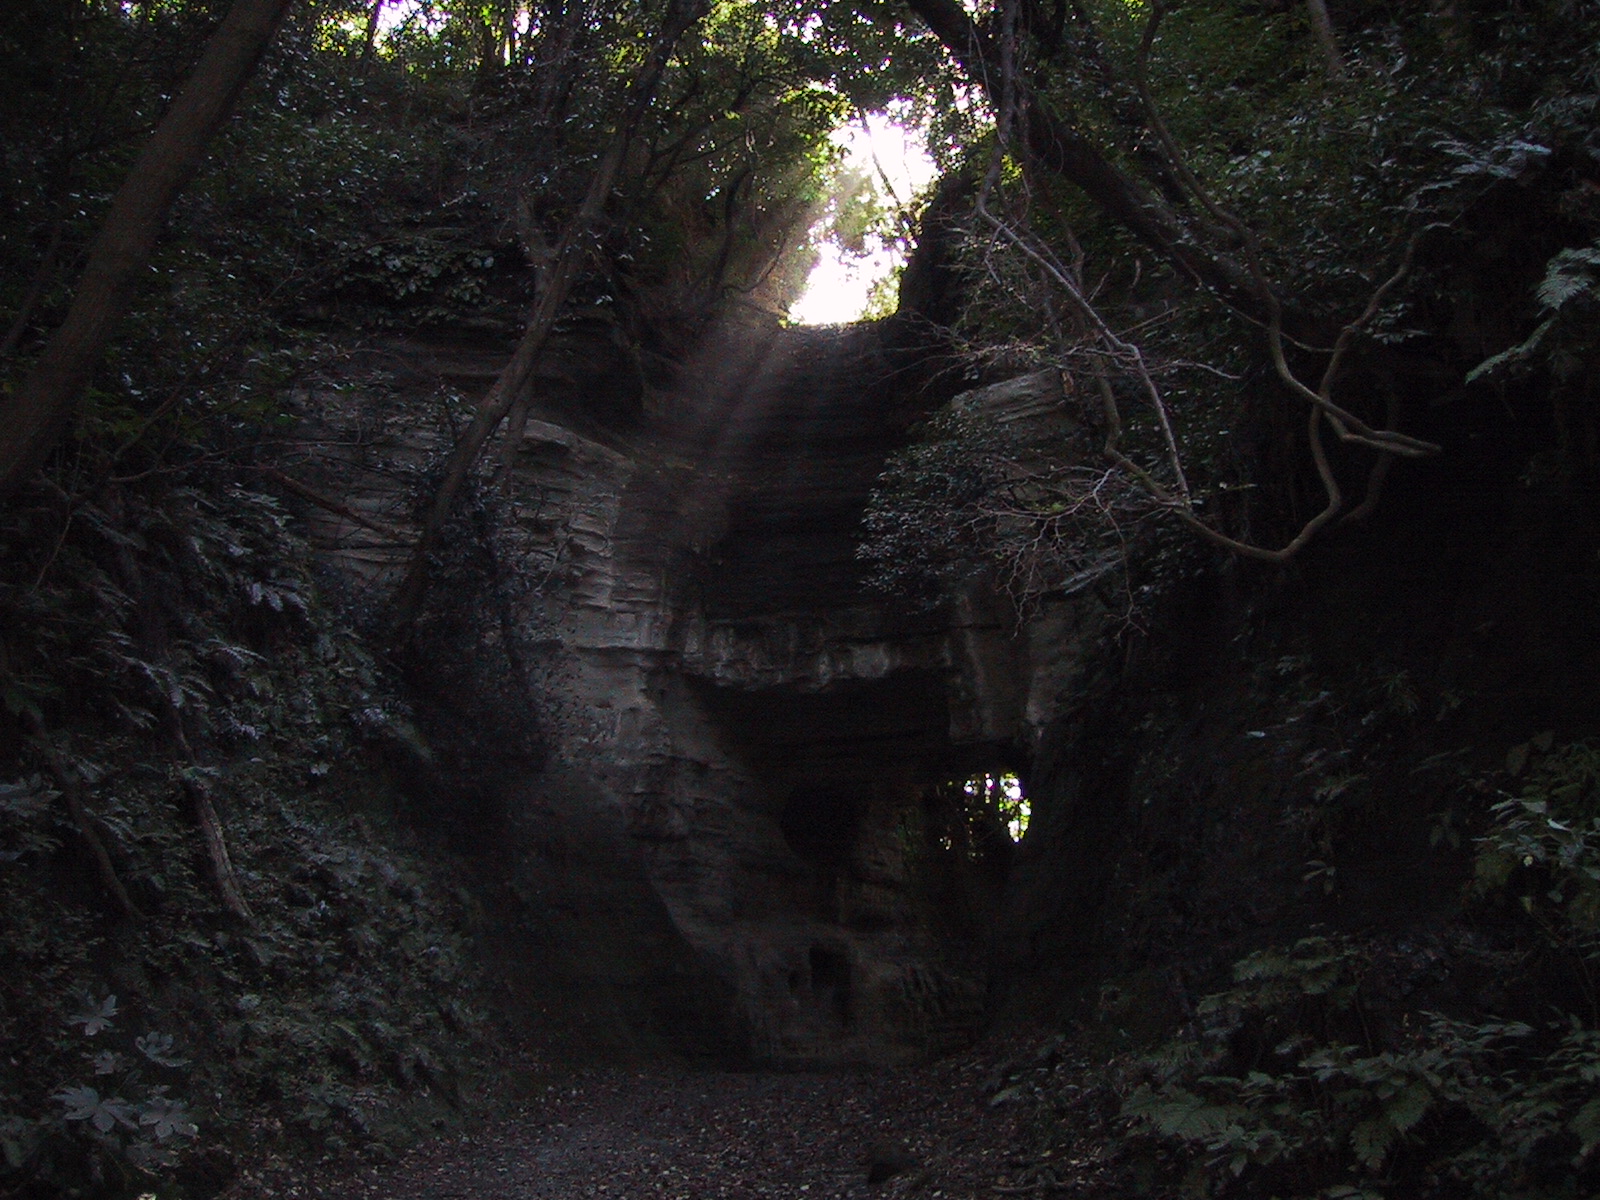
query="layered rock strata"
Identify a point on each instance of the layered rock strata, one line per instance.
(732, 849)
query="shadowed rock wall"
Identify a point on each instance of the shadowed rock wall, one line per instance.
(723, 846)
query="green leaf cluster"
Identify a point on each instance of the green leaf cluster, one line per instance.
(1543, 845)
(194, 608)
(1304, 1080)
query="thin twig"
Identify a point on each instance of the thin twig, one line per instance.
(323, 501)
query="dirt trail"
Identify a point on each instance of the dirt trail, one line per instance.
(676, 1135)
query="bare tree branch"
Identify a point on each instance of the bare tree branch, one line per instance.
(1107, 348)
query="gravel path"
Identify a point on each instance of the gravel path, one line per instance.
(663, 1134)
(716, 1137)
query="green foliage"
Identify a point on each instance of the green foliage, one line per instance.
(152, 598)
(1543, 846)
(741, 144)
(979, 496)
(125, 1123)
(297, 189)
(1560, 317)
(924, 533)
(1373, 153)
(1304, 1078)
(1488, 1108)
(1566, 335)
(27, 827)
(194, 608)
(427, 276)
(159, 619)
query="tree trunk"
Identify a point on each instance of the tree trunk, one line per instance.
(42, 408)
(562, 25)
(369, 37)
(569, 254)
(1322, 26)
(1060, 148)
(508, 24)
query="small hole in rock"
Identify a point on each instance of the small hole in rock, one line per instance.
(830, 980)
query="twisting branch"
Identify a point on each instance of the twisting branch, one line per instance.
(1177, 498)
(1066, 151)
(1347, 425)
(1108, 349)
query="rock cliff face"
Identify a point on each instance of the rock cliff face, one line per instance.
(728, 841)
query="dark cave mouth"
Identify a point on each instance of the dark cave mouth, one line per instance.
(822, 822)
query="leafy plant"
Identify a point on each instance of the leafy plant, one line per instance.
(123, 1128)
(1489, 1106)
(1569, 301)
(1543, 845)
(1303, 1078)
(27, 819)
(194, 608)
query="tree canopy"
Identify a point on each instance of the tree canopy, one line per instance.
(399, 161)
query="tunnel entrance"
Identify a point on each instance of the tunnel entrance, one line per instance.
(993, 800)
(865, 921)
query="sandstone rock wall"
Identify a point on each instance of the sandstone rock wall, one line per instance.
(738, 736)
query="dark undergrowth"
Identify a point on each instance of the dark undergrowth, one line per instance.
(222, 938)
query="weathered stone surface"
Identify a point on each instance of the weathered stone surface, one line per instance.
(740, 738)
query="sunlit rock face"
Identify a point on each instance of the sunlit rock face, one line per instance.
(725, 847)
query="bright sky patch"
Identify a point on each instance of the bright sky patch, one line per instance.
(841, 285)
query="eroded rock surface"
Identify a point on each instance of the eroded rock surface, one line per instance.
(724, 845)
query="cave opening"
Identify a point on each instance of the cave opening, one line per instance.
(820, 822)
(830, 980)
(979, 816)
(999, 794)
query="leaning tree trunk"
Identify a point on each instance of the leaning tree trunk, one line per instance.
(1327, 38)
(514, 380)
(42, 408)
(1200, 254)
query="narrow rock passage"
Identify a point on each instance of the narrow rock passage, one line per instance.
(677, 1135)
